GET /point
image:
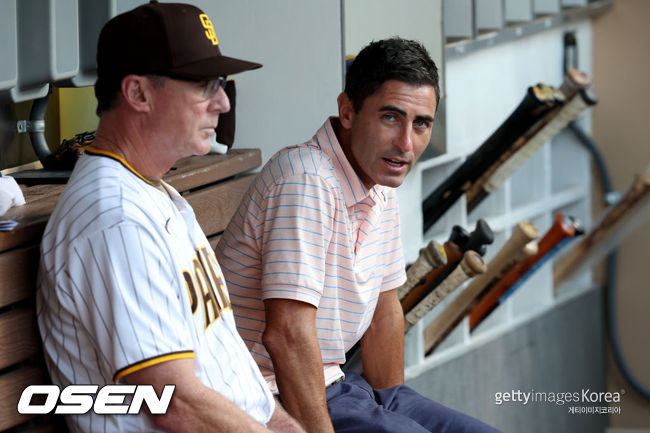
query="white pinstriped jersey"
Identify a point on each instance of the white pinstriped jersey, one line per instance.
(127, 280)
(309, 230)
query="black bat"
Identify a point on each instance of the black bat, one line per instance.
(539, 100)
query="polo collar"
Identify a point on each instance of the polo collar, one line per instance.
(353, 189)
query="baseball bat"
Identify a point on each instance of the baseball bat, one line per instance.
(563, 227)
(479, 239)
(509, 255)
(579, 232)
(619, 221)
(526, 146)
(432, 256)
(454, 255)
(476, 241)
(535, 104)
(574, 81)
(459, 242)
(471, 265)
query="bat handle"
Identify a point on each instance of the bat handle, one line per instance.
(411, 297)
(432, 256)
(459, 236)
(470, 265)
(482, 235)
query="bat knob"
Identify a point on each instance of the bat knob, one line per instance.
(459, 236)
(480, 237)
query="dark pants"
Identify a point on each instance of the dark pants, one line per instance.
(355, 408)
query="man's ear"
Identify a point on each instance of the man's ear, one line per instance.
(346, 110)
(136, 91)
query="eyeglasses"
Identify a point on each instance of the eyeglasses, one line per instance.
(211, 87)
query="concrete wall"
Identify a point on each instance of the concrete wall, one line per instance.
(561, 351)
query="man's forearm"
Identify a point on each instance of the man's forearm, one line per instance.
(194, 407)
(211, 413)
(282, 422)
(382, 346)
(299, 375)
(290, 338)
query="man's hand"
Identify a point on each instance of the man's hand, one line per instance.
(382, 346)
(194, 407)
(290, 338)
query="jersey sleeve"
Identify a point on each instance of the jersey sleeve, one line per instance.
(393, 253)
(298, 230)
(128, 298)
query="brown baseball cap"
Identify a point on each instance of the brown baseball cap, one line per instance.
(174, 39)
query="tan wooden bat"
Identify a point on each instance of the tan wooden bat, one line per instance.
(509, 255)
(471, 265)
(559, 121)
(619, 221)
(432, 256)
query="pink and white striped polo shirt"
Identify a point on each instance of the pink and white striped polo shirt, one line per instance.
(309, 230)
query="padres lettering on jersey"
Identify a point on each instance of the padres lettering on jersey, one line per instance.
(205, 280)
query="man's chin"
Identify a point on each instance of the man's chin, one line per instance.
(391, 182)
(203, 148)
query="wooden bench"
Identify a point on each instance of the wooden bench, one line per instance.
(212, 184)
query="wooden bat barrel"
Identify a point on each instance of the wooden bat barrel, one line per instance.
(471, 265)
(561, 229)
(509, 255)
(432, 256)
(454, 254)
(620, 220)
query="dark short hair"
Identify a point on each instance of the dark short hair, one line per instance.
(107, 90)
(389, 59)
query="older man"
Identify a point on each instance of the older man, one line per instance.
(129, 289)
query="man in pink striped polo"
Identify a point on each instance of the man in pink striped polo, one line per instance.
(313, 255)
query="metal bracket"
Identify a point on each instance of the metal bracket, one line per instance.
(26, 126)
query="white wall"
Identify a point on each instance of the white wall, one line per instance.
(299, 44)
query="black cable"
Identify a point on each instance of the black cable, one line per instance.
(612, 269)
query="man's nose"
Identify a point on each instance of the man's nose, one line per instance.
(404, 141)
(219, 102)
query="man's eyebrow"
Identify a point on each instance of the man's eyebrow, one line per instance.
(403, 113)
(424, 117)
(393, 108)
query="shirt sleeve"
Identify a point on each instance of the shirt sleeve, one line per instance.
(298, 230)
(128, 298)
(394, 264)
